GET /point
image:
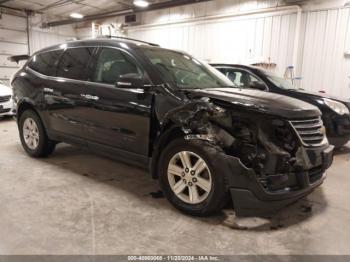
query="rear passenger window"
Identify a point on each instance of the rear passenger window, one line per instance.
(45, 63)
(113, 63)
(74, 62)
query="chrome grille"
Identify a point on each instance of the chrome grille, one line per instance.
(4, 99)
(310, 131)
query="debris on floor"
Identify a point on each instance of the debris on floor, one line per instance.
(157, 194)
(284, 218)
(242, 223)
(306, 208)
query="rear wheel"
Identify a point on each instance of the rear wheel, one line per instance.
(33, 136)
(191, 178)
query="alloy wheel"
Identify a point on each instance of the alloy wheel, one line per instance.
(31, 133)
(189, 177)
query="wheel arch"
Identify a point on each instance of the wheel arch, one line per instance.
(26, 105)
(23, 106)
(169, 133)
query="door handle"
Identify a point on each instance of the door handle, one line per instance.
(90, 97)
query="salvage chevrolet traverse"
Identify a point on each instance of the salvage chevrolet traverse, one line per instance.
(205, 140)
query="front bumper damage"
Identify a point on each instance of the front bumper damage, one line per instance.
(264, 172)
(251, 198)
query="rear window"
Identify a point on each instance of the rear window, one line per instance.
(45, 63)
(74, 62)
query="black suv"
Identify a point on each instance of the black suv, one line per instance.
(335, 110)
(203, 139)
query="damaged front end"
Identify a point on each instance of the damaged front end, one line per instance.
(271, 161)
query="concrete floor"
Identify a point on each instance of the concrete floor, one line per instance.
(77, 203)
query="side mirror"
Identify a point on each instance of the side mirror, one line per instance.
(130, 81)
(258, 85)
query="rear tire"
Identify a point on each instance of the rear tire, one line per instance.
(33, 135)
(197, 187)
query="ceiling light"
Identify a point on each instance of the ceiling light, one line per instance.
(141, 3)
(76, 15)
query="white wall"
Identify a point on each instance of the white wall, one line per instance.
(324, 38)
(13, 35)
(40, 38)
(323, 63)
(13, 41)
(232, 31)
(265, 37)
(215, 31)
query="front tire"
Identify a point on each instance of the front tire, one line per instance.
(33, 135)
(192, 177)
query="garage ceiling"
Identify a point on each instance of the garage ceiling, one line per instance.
(62, 8)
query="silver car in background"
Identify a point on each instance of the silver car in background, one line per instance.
(6, 101)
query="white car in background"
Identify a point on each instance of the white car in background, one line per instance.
(6, 102)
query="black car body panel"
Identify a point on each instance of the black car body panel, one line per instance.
(338, 126)
(269, 160)
(260, 101)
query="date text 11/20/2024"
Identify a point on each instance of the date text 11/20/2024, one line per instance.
(173, 258)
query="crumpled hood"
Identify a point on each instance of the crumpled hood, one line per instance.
(5, 91)
(265, 102)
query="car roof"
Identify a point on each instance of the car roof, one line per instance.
(113, 42)
(236, 65)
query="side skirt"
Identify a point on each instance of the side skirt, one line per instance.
(104, 150)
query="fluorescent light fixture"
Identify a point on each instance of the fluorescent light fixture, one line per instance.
(76, 15)
(141, 3)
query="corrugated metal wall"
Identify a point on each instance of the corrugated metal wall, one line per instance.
(239, 40)
(243, 39)
(40, 38)
(324, 38)
(13, 41)
(323, 63)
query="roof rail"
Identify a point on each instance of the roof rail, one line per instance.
(127, 38)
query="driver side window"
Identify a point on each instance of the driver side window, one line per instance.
(112, 64)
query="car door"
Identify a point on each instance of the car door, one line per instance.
(119, 116)
(66, 106)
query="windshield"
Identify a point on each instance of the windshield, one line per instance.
(279, 81)
(185, 71)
